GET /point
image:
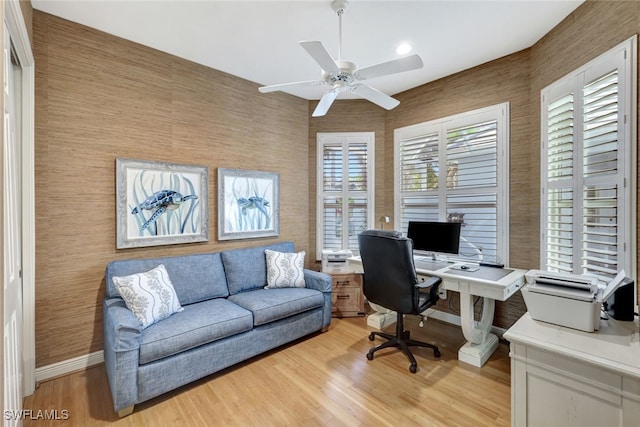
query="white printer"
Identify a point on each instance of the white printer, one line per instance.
(335, 261)
(565, 299)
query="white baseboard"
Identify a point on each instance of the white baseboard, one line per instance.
(68, 366)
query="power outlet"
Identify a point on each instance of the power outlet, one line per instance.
(442, 293)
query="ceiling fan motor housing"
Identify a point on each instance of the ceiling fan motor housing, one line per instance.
(347, 69)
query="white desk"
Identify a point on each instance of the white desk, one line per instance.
(566, 377)
(480, 343)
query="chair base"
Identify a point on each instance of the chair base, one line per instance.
(402, 341)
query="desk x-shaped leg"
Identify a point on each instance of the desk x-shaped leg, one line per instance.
(480, 342)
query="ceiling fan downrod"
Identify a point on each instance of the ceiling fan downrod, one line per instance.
(339, 7)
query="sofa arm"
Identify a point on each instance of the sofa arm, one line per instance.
(321, 282)
(317, 280)
(122, 332)
(122, 326)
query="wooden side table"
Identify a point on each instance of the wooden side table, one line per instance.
(347, 299)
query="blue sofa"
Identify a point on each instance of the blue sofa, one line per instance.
(227, 317)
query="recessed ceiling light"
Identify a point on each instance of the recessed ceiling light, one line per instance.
(403, 48)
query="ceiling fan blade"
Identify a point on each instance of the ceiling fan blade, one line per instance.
(399, 65)
(294, 85)
(325, 102)
(321, 56)
(375, 96)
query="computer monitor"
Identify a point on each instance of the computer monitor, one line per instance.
(435, 237)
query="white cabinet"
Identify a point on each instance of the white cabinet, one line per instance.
(565, 377)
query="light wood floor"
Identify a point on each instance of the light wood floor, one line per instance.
(323, 380)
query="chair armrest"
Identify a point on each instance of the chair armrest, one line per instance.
(431, 281)
(317, 280)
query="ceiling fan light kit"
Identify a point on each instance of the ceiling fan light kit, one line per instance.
(343, 76)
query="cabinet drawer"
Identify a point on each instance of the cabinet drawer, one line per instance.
(346, 295)
(346, 299)
(342, 280)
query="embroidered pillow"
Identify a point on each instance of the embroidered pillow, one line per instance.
(284, 270)
(150, 295)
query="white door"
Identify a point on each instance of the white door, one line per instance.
(12, 240)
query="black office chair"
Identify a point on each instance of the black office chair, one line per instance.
(390, 280)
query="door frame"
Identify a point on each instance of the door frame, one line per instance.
(22, 44)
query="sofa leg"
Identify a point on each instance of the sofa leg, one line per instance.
(325, 329)
(125, 411)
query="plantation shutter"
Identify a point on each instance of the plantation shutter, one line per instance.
(559, 212)
(586, 166)
(472, 184)
(344, 190)
(419, 175)
(332, 183)
(357, 202)
(449, 170)
(600, 170)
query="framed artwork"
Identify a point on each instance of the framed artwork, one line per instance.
(248, 204)
(160, 203)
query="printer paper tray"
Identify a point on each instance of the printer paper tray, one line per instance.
(562, 291)
(548, 280)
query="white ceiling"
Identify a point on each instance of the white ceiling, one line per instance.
(258, 40)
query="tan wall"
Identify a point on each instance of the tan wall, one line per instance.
(99, 97)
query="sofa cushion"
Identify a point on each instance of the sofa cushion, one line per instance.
(268, 305)
(246, 268)
(196, 325)
(195, 277)
(285, 269)
(149, 295)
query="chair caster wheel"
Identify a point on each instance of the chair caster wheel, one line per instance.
(413, 369)
(436, 353)
(372, 336)
(369, 356)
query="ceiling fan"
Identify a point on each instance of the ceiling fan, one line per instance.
(343, 76)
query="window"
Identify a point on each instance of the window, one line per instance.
(588, 190)
(345, 189)
(455, 169)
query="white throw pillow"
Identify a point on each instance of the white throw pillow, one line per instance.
(149, 295)
(284, 270)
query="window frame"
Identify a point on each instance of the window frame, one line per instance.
(499, 113)
(344, 138)
(623, 59)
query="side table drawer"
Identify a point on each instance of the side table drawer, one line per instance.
(342, 280)
(346, 297)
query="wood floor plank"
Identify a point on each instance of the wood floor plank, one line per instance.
(322, 380)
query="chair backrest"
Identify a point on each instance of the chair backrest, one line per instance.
(389, 273)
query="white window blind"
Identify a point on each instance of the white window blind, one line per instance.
(345, 189)
(454, 169)
(587, 195)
